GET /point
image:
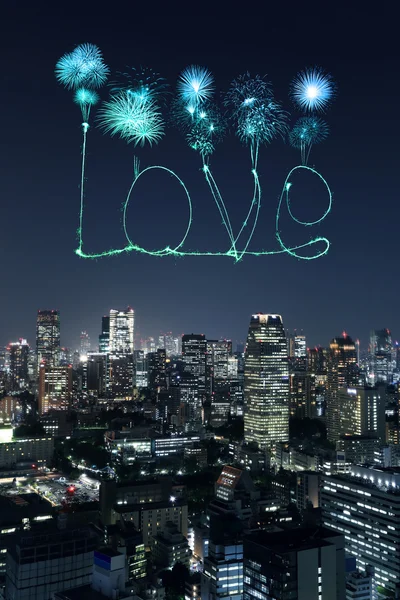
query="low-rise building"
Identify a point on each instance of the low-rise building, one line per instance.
(37, 450)
(170, 547)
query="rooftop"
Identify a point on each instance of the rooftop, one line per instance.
(289, 540)
(17, 507)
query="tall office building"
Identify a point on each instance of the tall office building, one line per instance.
(358, 411)
(104, 337)
(19, 359)
(140, 369)
(190, 399)
(218, 354)
(297, 349)
(342, 372)
(96, 374)
(302, 394)
(156, 372)
(122, 331)
(48, 337)
(365, 507)
(121, 372)
(317, 361)
(169, 343)
(228, 513)
(194, 352)
(266, 382)
(381, 356)
(85, 343)
(55, 387)
(303, 564)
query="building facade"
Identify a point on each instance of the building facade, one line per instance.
(121, 331)
(55, 387)
(266, 382)
(48, 337)
(365, 507)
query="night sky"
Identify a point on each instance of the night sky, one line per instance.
(355, 287)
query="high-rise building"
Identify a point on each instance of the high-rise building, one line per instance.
(156, 370)
(302, 394)
(191, 399)
(317, 361)
(48, 337)
(365, 507)
(342, 372)
(121, 375)
(96, 374)
(122, 331)
(218, 354)
(194, 353)
(169, 343)
(381, 356)
(297, 349)
(43, 561)
(140, 367)
(358, 411)
(266, 382)
(55, 387)
(85, 343)
(228, 514)
(104, 337)
(19, 358)
(303, 564)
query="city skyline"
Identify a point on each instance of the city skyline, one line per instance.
(142, 335)
(40, 176)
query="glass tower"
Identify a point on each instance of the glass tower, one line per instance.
(266, 382)
(48, 337)
(122, 330)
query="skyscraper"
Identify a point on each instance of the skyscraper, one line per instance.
(194, 351)
(122, 330)
(381, 356)
(55, 387)
(297, 350)
(19, 356)
(266, 382)
(104, 337)
(218, 353)
(85, 343)
(358, 411)
(342, 372)
(170, 343)
(140, 366)
(156, 361)
(48, 337)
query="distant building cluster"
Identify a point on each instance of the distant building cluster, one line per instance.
(185, 466)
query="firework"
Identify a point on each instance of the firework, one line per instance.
(312, 89)
(196, 85)
(132, 119)
(142, 82)
(85, 99)
(133, 113)
(247, 92)
(84, 67)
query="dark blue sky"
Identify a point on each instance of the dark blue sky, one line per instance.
(355, 287)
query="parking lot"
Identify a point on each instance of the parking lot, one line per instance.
(56, 489)
(61, 490)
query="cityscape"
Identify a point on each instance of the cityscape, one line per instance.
(199, 324)
(180, 466)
